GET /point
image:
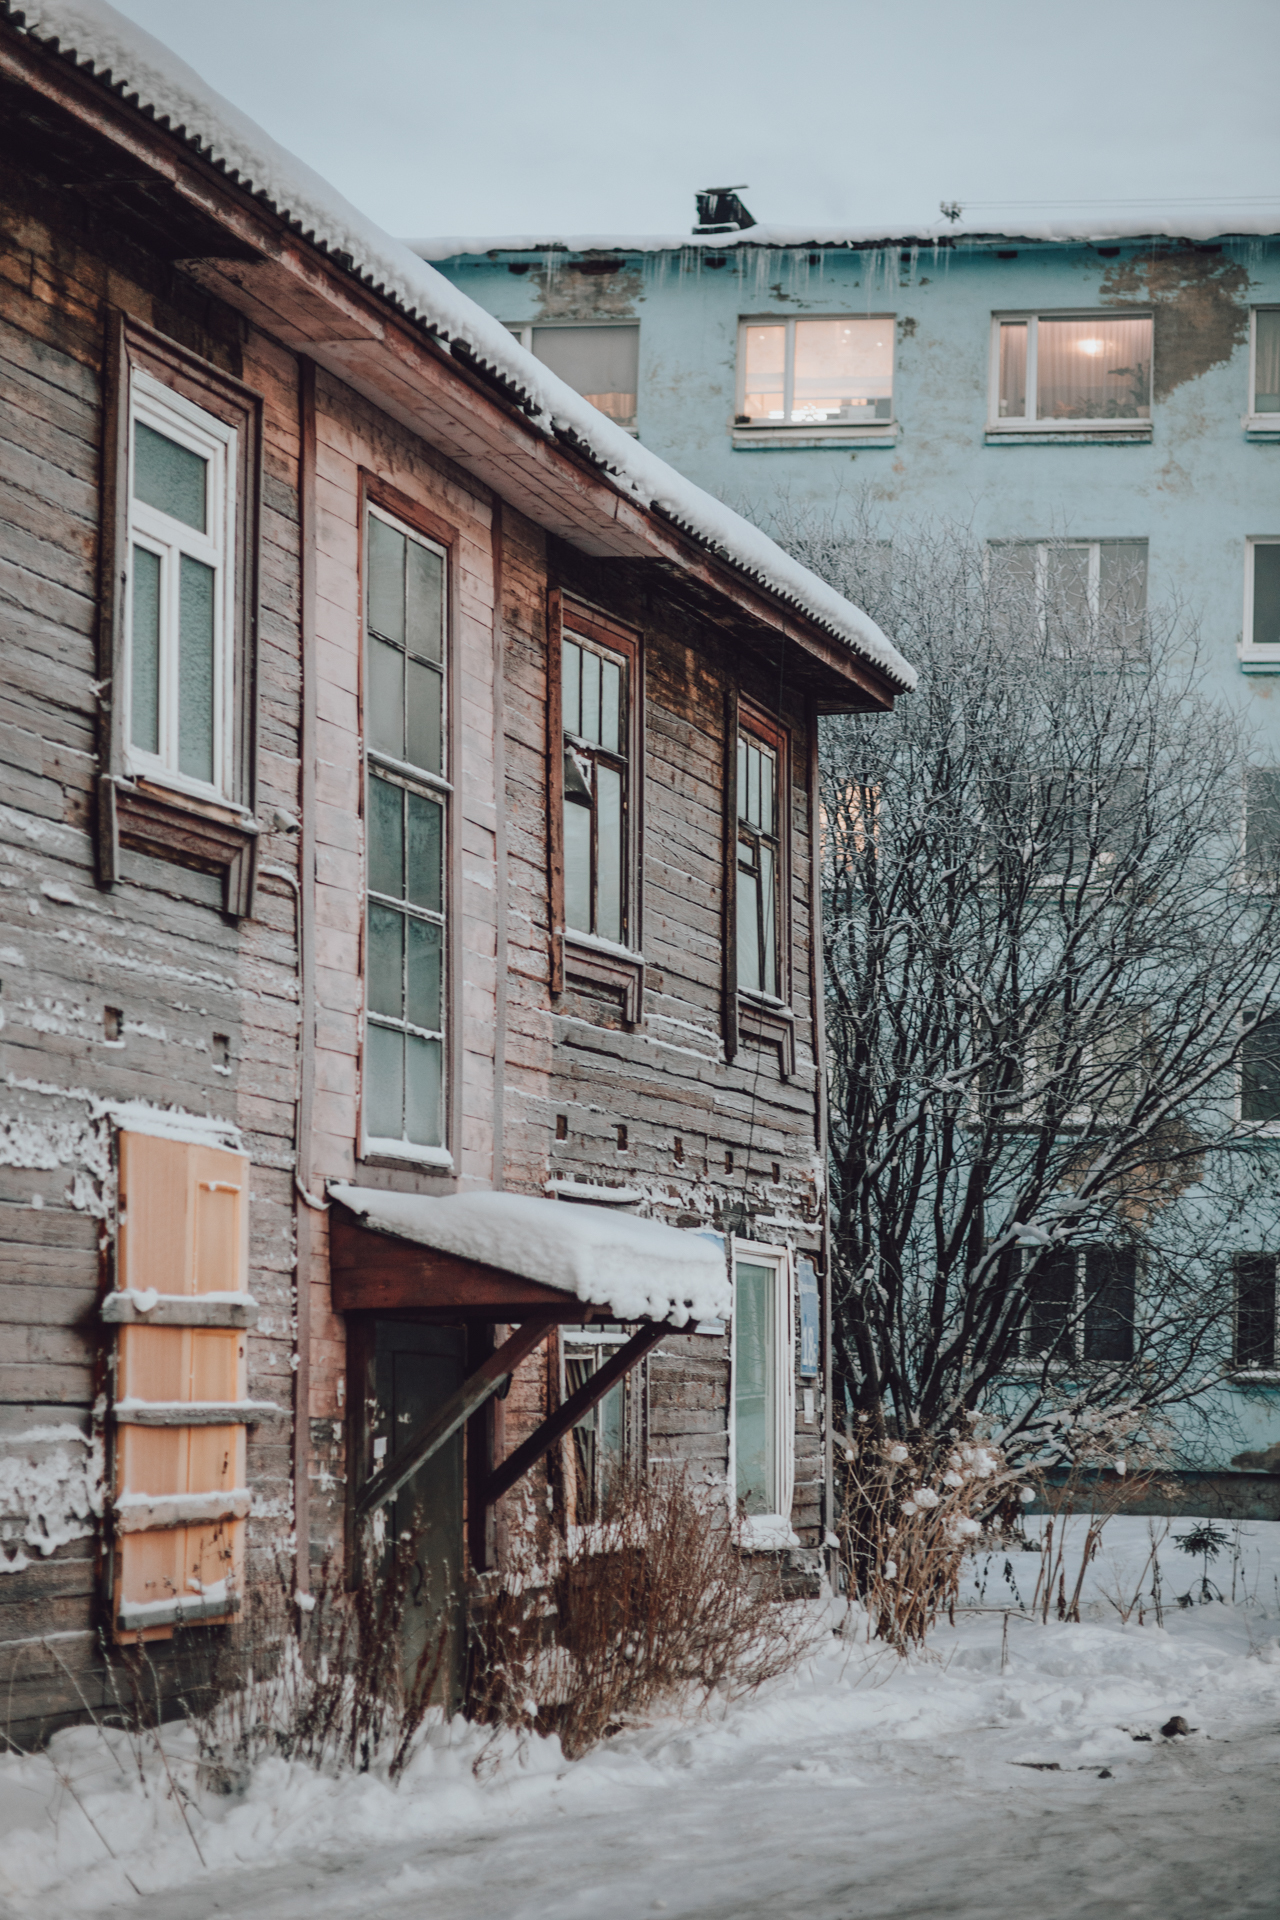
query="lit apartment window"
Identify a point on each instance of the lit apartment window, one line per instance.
(1254, 1332)
(599, 362)
(1081, 1306)
(1090, 370)
(180, 619)
(758, 876)
(763, 1383)
(1260, 645)
(1264, 369)
(1081, 587)
(816, 373)
(593, 691)
(406, 835)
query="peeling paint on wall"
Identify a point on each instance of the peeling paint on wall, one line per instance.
(1200, 299)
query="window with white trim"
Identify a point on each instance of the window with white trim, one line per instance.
(1082, 1306)
(833, 372)
(599, 361)
(1070, 371)
(1260, 641)
(180, 611)
(1264, 367)
(758, 865)
(1262, 826)
(406, 833)
(763, 1431)
(1081, 589)
(1254, 1330)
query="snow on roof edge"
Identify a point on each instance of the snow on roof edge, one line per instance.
(1080, 229)
(140, 69)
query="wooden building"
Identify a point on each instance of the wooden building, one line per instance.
(407, 798)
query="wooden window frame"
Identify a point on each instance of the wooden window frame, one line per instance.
(149, 812)
(1139, 425)
(419, 519)
(764, 1017)
(581, 958)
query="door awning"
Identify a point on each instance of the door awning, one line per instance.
(499, 1256)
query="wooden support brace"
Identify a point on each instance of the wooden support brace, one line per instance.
(455, 1412)
(588, 1395)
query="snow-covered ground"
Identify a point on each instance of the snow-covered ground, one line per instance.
(1014, 1771)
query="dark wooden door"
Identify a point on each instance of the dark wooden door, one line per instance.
(417, 1368)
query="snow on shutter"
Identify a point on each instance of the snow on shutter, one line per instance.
(181, 1308)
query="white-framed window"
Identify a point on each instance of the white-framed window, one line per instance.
(1069, 372)
(180, 597)
(1260, 639)
(1082, 1306)
(1264, 369)
(406, 838)
(600, 360)
(1258, 1078)
(1255, 1322)
(762, 1426)
(831, 373)
(1081, 589)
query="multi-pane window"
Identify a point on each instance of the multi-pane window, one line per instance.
(1262, 599)
(1080, 589)
(406, 836)
(1262, 825)
(600, 1438)
(829, 372)
(179, 622)
(594, 694)
(763, 1384)
(1086, 370)
(757, 878)
(1260, 1073)
(1264, 374)
(599, 362)
(1081, 1305)
(1254, 1331)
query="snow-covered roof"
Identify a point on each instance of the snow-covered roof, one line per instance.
(636, 1269)
(1194, 221)
(148, 75)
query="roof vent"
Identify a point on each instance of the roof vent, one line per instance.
(721, 211)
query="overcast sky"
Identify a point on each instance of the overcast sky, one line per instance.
(438, 116)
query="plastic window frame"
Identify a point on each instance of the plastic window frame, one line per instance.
(1031, 422)
(1255, 422)
(783, 1412)
(801, 428)
(1255, 658)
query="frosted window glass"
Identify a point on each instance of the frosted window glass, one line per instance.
(386, 839)
(422, 1004)
(424, 747)
(769, 922)
(144, 676)
(608, 852)
(577, 866)
(426, 838)
(424, 601)
(196, 584)
(422, 1119)
(386, 580)
(170, 477)
(384, 1084)
(610, 705)
(386, 961)
(386, 699)
(754, 1372)
(748, 928)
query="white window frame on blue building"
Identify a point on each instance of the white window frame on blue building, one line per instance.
(1030, 424)
(794, 433)
(1257, 656)
(1264, 425)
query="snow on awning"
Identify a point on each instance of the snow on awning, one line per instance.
(637, 1269)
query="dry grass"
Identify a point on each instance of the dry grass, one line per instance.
(653, 1606)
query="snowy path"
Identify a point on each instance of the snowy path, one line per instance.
(862, 1788)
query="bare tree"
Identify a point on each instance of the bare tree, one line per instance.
(1045, 954)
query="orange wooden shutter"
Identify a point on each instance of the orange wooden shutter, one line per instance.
(181, 1498)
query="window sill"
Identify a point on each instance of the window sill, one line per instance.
(1259, 659)
(593, 1193)
(883, 434)
(1254, 1376)
(171, 825)
(591, 962)
(766, 1533)
(398, 1153)
(1261, 426)
(772, 1023)
(1077, 433)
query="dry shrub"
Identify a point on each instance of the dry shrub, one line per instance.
(318, 1679)
(654, 1605)
(908, 1520)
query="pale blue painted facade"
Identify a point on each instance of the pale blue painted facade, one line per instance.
(1197, 483)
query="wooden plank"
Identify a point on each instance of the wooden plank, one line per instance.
(376, 1272)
